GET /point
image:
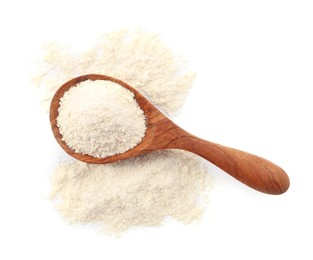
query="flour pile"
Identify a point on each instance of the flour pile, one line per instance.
(100, 118)
(140, 191)
(138, 58)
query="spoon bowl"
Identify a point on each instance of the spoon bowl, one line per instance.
(161, 133)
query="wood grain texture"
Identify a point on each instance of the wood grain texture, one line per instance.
(254, 171)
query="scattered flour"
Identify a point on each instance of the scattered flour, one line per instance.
(100, 118)
(139, 191)
(138, 58)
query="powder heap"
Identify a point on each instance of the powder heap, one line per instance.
(100, 118)
(140, 59)
(135, 192)
(140, 191)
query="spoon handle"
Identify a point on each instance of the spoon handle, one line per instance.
(254, 171)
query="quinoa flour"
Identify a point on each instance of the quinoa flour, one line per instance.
(100, 118)
(140, 191)
(138, 58)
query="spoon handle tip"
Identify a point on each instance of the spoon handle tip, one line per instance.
(252, 170)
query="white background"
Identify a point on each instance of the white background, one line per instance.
(254, 61)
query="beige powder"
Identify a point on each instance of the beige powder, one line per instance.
(141, 191)
(100, 118)
(138, 58)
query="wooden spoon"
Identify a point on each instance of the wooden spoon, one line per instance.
(162, 133)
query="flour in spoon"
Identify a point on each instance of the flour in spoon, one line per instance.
(100, 118)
